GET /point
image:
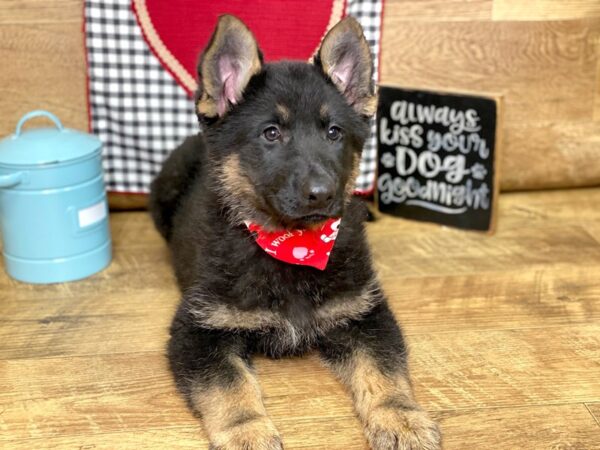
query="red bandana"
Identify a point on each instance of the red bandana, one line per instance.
(303, 247)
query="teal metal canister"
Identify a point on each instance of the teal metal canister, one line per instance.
(53, 210)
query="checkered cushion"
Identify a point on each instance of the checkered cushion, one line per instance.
(141, 113)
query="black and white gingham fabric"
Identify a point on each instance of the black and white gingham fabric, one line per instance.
(141, 113)
(368, 13)
(137, 109)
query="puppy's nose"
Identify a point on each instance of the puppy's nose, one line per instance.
(319, 193)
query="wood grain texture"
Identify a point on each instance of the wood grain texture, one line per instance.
(554, 427)
(594, 409)
(40, 12)
(545, 9)
(597, 90)
(135, 390)
(438, 10)
(44, 69)
(504, 336)
(505, 58)
(560, 153)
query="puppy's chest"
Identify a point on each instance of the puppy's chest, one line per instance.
(285, 324)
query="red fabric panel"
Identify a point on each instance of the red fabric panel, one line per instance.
(290, 29)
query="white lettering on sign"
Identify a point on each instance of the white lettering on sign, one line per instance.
(430, 165)
(93, 214)
(432, 194)
(457, 121)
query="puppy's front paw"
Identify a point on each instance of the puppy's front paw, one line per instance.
(257, 434)
(393, 428)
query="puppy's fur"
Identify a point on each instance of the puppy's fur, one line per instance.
(280, 148)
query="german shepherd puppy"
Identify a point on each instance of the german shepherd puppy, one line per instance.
(280, 147)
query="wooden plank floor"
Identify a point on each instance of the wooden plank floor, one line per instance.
(504, 334)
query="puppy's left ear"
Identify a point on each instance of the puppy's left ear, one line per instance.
(345, 57)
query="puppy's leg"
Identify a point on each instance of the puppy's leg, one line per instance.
(369, 357)
(212, 370)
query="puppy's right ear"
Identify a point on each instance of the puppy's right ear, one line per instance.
(345, 58)
(231, 58)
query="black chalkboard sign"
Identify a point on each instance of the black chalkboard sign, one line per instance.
(436, 157)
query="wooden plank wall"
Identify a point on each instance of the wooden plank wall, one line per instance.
(543, 56)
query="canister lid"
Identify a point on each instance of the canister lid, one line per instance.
(44, 146)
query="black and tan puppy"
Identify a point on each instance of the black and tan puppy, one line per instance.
(280, 148)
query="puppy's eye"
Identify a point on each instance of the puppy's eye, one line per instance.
(334, 133)
(272, 134)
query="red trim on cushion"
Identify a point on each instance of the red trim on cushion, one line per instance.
(163, 63)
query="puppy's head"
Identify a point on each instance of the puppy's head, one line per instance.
(285, 138)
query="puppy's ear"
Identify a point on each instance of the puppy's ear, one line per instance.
(227, 64)
(345, 58)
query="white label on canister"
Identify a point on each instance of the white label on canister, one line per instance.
(91, 215)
